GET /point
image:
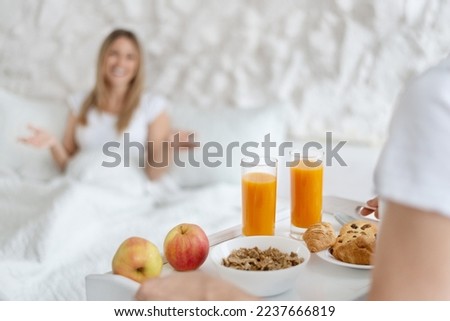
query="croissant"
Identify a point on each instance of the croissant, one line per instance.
(319, 237)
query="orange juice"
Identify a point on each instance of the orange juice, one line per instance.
(259, 193)
(306, 194)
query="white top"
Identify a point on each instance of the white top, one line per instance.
(414, 167)
(101, 126)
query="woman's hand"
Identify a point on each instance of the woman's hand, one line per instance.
(372, 207)
(183, 139)
(39, 138)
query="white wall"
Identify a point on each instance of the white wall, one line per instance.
(338, 65)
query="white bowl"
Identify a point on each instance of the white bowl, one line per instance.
(261, 283)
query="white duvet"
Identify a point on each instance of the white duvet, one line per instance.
(54, 233)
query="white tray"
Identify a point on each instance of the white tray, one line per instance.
(325, 281)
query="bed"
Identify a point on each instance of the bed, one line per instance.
(57, 228)
(53, 234)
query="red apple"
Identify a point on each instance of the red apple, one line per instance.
(137, 259)
(186, 247)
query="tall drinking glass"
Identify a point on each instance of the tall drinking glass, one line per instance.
(259, 195)
(306, 191)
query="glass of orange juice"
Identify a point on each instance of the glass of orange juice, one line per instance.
(306, 191)
(259, 195)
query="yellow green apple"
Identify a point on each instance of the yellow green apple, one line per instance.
(137, 259)
(186, 247)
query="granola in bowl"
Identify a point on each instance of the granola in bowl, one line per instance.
(255, 259)
(261, 265)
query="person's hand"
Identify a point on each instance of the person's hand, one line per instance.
(190, 286)
(39, 138)
(181, 139)
(372, 208)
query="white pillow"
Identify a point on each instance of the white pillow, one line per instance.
(16, 113)
(224, 126)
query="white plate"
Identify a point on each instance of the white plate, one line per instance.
(325, 255)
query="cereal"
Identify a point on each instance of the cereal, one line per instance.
(254, 259)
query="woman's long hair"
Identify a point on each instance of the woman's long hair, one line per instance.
(98, 96)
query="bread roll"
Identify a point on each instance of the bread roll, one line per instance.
(355, 243)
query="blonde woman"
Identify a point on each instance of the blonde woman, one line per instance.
(116, 105)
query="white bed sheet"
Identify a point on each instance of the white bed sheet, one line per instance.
(54, 233)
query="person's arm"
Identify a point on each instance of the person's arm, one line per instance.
(190, 286)
(158, 153)
(61, 152)
(416, 268)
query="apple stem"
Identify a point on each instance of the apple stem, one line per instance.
(183, 229)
